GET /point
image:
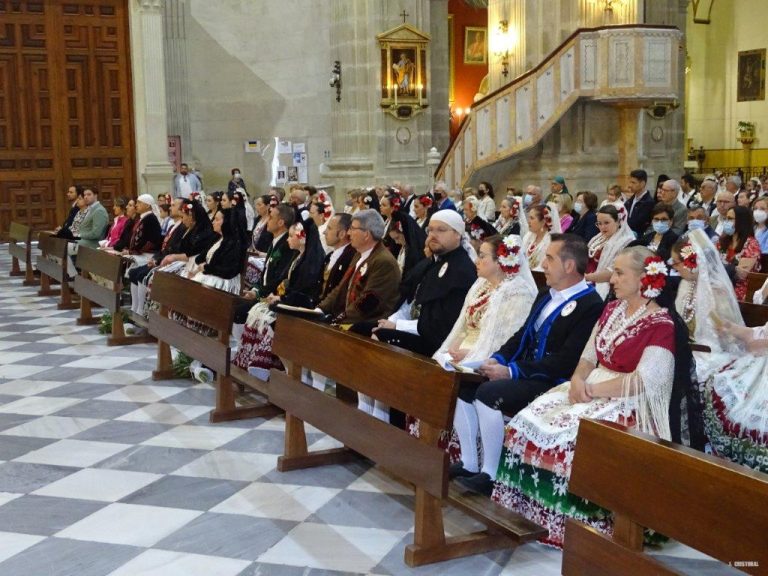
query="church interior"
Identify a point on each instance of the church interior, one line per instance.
(108, 470)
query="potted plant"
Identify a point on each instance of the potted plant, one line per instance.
(746, 129)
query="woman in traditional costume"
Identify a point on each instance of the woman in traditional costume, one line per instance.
(739, 248)
(542, 222)
(625, 375)
(477, 228)
(615, 234)
(410, 239)
(509, 220)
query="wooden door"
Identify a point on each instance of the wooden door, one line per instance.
(66, 113)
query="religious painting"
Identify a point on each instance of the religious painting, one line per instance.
(751, 79)
(475, 45)
(404, 70)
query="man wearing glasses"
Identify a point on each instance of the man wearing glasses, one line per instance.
(370, 288)
(725, 201)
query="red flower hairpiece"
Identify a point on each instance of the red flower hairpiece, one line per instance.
(688, 257)
(395, 201)
(547, 218)
(273, 201)
(508, 254)
(426, 201)
(194, 195)
(299, 231)
(397, 226)
(655, 277)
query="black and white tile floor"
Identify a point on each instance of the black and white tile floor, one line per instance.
(105, 472)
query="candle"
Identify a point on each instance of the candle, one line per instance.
(396, 87)
(420, 87)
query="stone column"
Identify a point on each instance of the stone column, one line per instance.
(628, 142)
(150, 111)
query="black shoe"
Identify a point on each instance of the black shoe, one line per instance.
(478, 483)
(457, 470)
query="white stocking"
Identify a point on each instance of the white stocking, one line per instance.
(492, 437)
(381, 411)
(141, 297)
(365, 403)
(134, 296)
(465, 423)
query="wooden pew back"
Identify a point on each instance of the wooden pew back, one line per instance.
(755, 281)
(106, 266)
(709, 504)
(20, 249)
(753, 314)
(411, 383)
(52, 264)
(539, 278)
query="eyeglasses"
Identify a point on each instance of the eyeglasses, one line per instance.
(438, 230)
(661, 220)
(357, 228)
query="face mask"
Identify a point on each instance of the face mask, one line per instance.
(578, 206)
(729, 228)
(527, 199)
(236, 175)
(696, 224)
(760, 216)
(661, 227)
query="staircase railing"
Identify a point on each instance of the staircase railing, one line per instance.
(631, 64)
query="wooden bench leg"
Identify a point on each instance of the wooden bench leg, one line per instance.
(164, 362)
(45, 287)
(86, 314)
(67, 300)
(226, 408)
(15, 269)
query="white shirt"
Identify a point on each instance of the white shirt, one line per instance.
(335, 255)
(185, 186)
(557, 299)
(363, 258)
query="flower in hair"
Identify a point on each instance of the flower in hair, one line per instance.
(397, 226)
(476, 232)
(298, 228)
(508, 254)
(514, 210)
(688, 257)
(395, 201)
(273, 201)
(194, 195)
(547, 218)
(187, 207)
(655, 277)
(327, 210)
(426, 201)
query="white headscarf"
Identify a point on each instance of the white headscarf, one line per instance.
(611, 247)
(455, 221)
(149, 199)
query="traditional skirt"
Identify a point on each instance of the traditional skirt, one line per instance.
(736, 411)
(254, 270)
(449, 440)
(255, 347)
(538, 454)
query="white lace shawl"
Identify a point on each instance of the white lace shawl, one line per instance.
(508, 307)
(536, 258)
(611, 248)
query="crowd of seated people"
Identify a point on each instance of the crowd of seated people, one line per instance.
(630, 283)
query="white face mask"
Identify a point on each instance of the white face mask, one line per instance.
(578, 207)
(236, 175)
(527, 199)
(760, 216)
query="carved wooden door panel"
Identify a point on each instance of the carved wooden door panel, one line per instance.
(65, 106)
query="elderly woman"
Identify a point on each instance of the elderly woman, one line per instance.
(625, 375)
(477, 228)
(146, 238)
(738, 247)
(542, 222)
(615, 235)
(510, 220)
(585, 207)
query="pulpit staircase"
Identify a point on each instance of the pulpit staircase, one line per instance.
(630, 66)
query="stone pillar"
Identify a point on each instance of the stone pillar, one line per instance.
(629, 117)
(150, 111)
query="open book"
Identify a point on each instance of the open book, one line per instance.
(311, 311)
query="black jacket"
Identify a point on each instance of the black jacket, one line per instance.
(146, 235)
(279, 257)
(665, 246)
(639, 219)
(567, 337)
(198, 240)
(440, 295)
(585, 226)
(339, 269)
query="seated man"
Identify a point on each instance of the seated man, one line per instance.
(424, 320)
(542, 354)
(369, 289)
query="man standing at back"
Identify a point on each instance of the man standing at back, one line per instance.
(94, 225)
(641, 203)
(185, 183)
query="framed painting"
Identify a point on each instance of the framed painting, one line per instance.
(475, 45)
(751, 76)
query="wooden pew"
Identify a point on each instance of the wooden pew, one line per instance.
(20, 248)
(408, 382)
(215, 309)
(754, 314)
(52, 264)
(100, 282)
(539, 278)
(709, 504)
(755, 281)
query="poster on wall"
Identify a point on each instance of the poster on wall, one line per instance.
(281, 174)
(174, 152)
(299, 159)
(299, 146)
(475, 45)
(284, 147)
(252, 146)
(292, 174)
(751, 76)
(303, 175)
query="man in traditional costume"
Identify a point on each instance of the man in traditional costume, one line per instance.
(541, 355)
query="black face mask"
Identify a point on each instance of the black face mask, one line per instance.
(438, 195)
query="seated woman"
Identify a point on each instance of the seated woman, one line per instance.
(119, 223)
(662, 238)
(300, 288)
(421, 208)
(390, 203)
(509, 220)
(213, 203)
(261, 240)
(625, 375)
(760, 215)
(495, 308)
(565, 207)
(165, 218)
(73, 231)
(409, 238)
(477, 228)
(586, 208)
(542, 221)
(125, 236)
(735, 415)
(738, 247)
(220, 266)
(704, 297)
(145, 236)
(320, 212)
(197, 238)
(614, 236)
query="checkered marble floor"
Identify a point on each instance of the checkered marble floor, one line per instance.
(105, 472)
